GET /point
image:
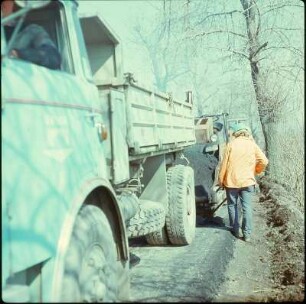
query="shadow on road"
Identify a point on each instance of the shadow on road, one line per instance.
(172, 299)
(216, 222)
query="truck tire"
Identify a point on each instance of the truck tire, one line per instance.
(158, 238)
(150, 218)
(91, 269)
(181, 216)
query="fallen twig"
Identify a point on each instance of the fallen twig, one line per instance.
(265, 290)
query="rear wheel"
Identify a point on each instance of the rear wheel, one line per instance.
(149, 218)
(158, 238)
(91, 267)
(181, 216)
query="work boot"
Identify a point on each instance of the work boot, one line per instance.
(236, 233)
(247, 239)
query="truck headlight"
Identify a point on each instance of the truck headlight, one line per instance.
(214, 137)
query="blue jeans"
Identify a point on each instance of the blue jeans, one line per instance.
(246, 195)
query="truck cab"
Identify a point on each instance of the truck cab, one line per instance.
(53, 162)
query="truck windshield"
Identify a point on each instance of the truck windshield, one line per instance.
(51, 20)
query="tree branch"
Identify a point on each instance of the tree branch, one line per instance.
(260, 48)
(259, 20)
(172, 77)
(218, 31)
(282, 29)
(218, 14)
(281, 6)
(288, 48)
(284, 74)
(230, 50)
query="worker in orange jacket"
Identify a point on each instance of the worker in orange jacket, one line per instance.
(242, 160)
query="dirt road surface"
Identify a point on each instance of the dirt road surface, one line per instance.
(217, 267)
(191, 273)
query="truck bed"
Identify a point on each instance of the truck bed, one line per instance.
(142, 123)
(156, 122)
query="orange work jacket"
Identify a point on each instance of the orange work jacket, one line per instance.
(242, 160)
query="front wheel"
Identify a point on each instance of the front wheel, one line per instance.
(91, 266)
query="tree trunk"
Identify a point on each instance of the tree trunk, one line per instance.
(250, 8)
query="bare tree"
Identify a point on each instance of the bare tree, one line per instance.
(260, 39)
(268, 106)
(161, 38)
(246, 33)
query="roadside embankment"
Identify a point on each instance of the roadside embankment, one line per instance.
(287, 238)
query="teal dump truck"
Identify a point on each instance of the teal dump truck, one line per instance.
(88, 161)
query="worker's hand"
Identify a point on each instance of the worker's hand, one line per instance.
(260, 175)
(221, 186)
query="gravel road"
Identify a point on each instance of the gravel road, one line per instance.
(183, 273)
